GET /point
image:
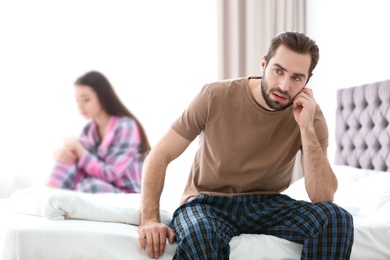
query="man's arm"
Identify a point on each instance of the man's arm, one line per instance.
(151, 233)
(320, 181)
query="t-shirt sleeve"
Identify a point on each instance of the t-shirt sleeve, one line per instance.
(193, 120)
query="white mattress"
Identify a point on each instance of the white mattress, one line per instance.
(362, 192)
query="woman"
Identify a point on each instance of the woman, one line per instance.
(109, 155)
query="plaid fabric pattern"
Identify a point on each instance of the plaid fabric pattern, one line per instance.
(205, 224)
(92, 185)
(115, 161)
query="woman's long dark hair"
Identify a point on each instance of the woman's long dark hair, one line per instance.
(110, 101)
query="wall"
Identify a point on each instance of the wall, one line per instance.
(157, 54)
(354, 40)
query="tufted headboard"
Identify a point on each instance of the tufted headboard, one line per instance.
(363, 126)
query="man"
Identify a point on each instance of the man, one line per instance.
(250, 132)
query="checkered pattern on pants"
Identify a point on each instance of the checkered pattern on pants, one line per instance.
(205, 224)
(66, 176)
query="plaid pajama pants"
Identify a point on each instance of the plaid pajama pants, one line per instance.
(205, 224)
(66, 178)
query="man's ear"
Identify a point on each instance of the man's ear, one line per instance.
(263, 63)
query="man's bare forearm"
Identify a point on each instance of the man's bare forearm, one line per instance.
(153, 177)
(320, 181)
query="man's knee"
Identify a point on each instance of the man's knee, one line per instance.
(210, 243)
(337, 217)
(201, 237)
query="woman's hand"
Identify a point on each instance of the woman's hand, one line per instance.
(73, 144)
(65, 156)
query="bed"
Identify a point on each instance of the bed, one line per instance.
(40, 223)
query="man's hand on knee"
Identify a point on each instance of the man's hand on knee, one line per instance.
(152, 238)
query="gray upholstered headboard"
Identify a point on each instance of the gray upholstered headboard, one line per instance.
(363, 126)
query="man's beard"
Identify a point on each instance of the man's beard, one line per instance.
(274, 104)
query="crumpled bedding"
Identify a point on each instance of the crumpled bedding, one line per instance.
(362, 192)
(56, 204)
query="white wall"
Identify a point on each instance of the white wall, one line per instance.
(157, 54)
(354, 39)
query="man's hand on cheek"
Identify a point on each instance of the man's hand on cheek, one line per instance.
(304, 106)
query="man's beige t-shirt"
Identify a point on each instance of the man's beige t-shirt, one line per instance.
(243, 148)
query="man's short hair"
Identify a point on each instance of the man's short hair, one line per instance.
(297, 42)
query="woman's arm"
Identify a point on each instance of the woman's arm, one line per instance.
(120, 153)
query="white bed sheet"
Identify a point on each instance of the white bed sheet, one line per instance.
(362, 192)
